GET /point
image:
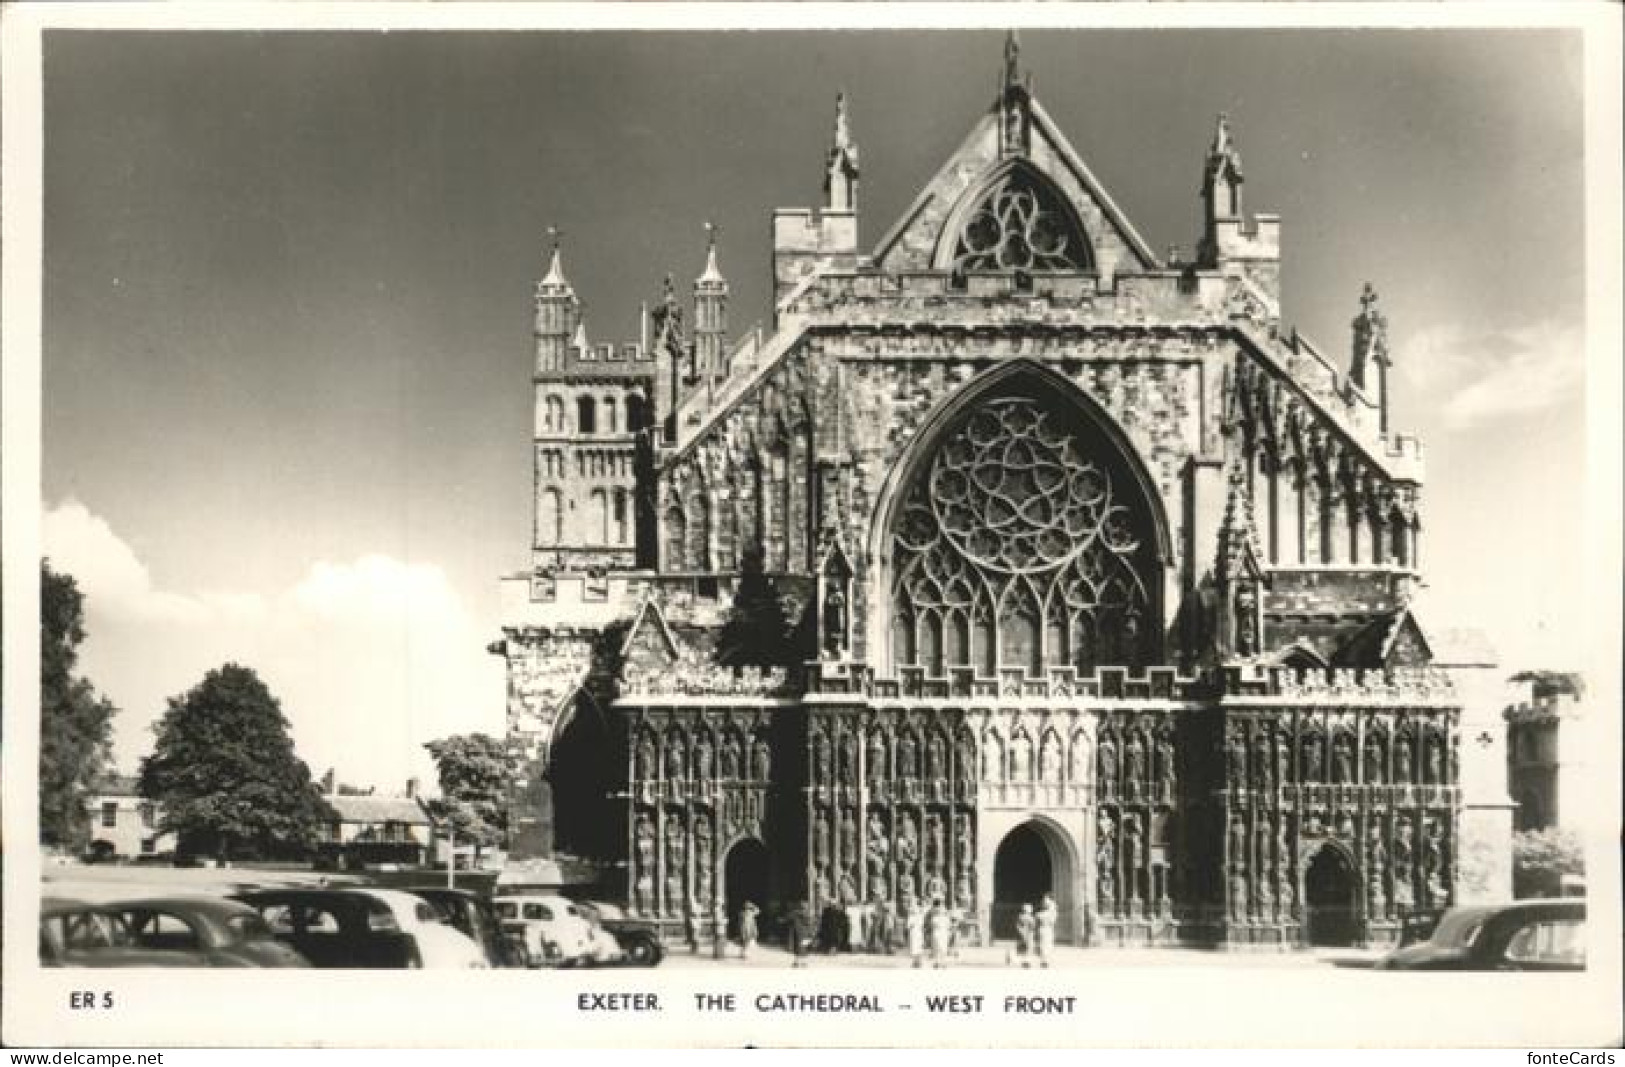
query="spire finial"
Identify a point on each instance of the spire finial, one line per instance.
(711, 274)
(669, 297)
(843, 132)
(1012, 59)
(555, 263)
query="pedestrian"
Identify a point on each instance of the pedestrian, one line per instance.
(801, 934)
(691, 925)
(880, 928)
(938, 929)
(1026, 931)
(854, 941)
(1048, 913)
(829, 929)
(915, 918)
(747, 929)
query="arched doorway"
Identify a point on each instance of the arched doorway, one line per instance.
(1331, 914)
(580, 773)
(744, 877)
(1022, 873)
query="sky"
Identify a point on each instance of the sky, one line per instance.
(287, 299)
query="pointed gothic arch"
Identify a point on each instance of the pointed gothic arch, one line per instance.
(1023, 509)
(1016, 218)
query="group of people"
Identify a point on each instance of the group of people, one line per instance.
(924, 930)
(1035, 932)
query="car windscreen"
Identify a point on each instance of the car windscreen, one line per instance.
(505, 909)
(1458, 929)
(249, 928)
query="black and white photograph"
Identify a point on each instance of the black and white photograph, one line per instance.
(812, 526)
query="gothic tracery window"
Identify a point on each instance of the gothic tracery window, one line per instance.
(1021, 224)
(1021, 543)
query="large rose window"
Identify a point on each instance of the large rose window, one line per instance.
(1020, 544)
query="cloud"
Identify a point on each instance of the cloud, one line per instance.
(1474, 376)
(370, 658)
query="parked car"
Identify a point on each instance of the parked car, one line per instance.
(1418, 924)
(363, 928)
(554, 932)
(227, 933)
(475, 916)
(639, 939)
(75, 934)
(1532, 935)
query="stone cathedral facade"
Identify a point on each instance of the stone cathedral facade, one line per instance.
(1095, 578)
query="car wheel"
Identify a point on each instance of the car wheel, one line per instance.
(643, 951)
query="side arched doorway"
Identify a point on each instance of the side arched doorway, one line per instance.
(1032, 860)
(1330, 895)
(581, 777)
(745, 877)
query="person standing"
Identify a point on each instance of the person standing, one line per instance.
(801, 934)
(1048, 914)
(939, 928)
(880, 929)
(916, 932)
(747, 929)
(1026, 932)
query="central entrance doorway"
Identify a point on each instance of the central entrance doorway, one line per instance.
(1331, 914)
(1023, 871)
(744, 877)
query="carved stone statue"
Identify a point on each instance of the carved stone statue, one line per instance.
(963, 841)
(1312, 757)
(1167, 769)
(1049, 759)
(1283, 757)
(1238, 895)
(849, 758)
(674, 841)
(1261, 761)
(1236, 760)
(1433, 862)
(992, 757)
(821, 838)
(936, 758)
(1263, 838)
(834, 621)
(1077, 765)
(1403, 755)
(702, 758)
(1238, 839)
(908, 763)
(934, 854)
(762, 755)
(646, 893)
(1373, 759)
(966, 755)
(1435, 760)
(1246, 620)
(849, 837)
(1133, 763)
(644, 836)
(676, 763)
(1376, 867)
(647, 766)
(729, 759)
(907, 839)
(821, 760)
(877, 757)
(879, 844)
(1402, 862)
(1106, 761)
(1021, 758)
(1343, 758)
(1133, 844)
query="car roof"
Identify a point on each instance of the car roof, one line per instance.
(534, 898)
(64, 905)
(218, 906)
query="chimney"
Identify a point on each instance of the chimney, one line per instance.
(330, 782)
(411, 789)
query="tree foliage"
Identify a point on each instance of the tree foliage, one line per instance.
(476, 774)
(756, 633)
(76, 725)
(1540, 859)
(225, 774)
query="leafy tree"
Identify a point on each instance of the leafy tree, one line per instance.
(1540, 859)
(476, 774)
(756, 632)
(76, 724)
(225, 775)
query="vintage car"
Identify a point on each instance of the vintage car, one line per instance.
(1531, 935)
(639, 939)
(364, 928)
(169, 932)
(475, 916)
(554, 931)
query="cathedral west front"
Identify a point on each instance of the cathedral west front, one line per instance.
(1012, 560)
